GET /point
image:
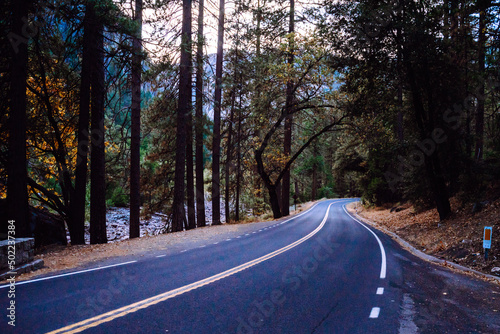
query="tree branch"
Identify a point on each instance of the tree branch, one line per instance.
(296, 155)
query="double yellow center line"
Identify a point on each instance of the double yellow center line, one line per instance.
(123, 311)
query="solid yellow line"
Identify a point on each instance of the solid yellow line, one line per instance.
(120, 312)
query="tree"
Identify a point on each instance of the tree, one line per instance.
(272, 185)
(135, 142)
(97, 154)
(238, 164)
(287, 142)
(312, 91)
(190, 194)
(482, 6)
(200, 188)
(190, 187)
(183, 109)
(17, 193)
(229, 152)
(76, 223)
(217, 117)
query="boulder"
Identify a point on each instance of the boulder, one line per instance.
(48, 228)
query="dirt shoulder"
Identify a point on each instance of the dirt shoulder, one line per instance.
(459, 239)
(60, 259)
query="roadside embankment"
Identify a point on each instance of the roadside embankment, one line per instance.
(457, 240)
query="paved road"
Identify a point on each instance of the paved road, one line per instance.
(319, 272)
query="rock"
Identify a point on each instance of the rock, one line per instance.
(478, 206)
(396, 209)
(48, 228)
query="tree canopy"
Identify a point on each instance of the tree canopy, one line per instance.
(173, 108)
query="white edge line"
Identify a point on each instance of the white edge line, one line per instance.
(68, 274)
(113, 265)
(383, 267)
(375, 313)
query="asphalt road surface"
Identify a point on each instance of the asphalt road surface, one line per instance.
(319, 272)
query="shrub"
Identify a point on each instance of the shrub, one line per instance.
(326, 192)
(118, 198)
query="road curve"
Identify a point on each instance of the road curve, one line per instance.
(318, 272)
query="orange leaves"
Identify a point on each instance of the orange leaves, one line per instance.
(274, 160)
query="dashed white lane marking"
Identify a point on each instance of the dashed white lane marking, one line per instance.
(161, 255)
(68, 274)
(375, 312)
(238, 236)
(247, 234)
(215, 243)
(140, 305)
(380, 291)
(115, 265)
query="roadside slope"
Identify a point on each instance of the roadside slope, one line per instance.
(458, 239)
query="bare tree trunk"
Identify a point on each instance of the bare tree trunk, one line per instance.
(191, 216)
(97, 162)
(400, 122)
(238, 165)
(190, 191)
(200, 188)
(229, 157)
(184, 107)
(76, 225)
(433, 167)
(17, 182)
(287, 143)
(135, 142)
(314, 182)
(274, 200)
(217, 115)
(482, 73)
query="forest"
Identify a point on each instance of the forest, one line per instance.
(243, 108)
